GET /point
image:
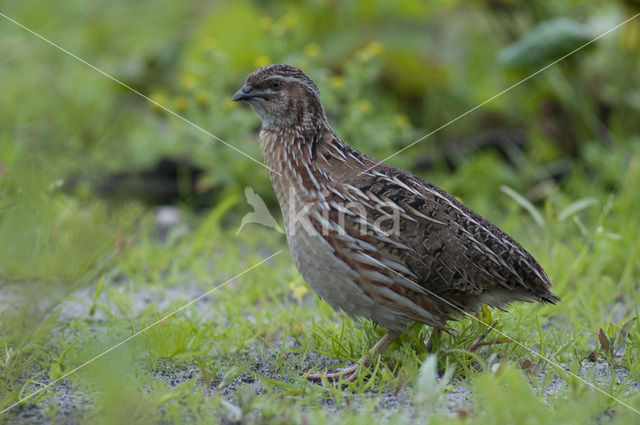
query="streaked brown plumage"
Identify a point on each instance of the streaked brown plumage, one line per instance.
(371, 239)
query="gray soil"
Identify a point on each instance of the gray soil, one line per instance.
(72, 405)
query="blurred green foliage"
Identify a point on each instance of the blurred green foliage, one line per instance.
(388, 73)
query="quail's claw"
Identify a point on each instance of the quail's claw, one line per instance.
(349, 373)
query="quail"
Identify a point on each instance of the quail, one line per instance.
(373, 240)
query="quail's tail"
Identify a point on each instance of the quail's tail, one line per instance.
(549, 298)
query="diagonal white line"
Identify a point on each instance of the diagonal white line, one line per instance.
(123, 84)
(531, 350)
(124, 341)
(504, 91)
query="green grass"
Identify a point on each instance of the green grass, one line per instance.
(80, 274)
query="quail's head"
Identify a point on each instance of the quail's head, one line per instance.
(281, 95)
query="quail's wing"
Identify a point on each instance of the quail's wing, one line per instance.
(446, 247)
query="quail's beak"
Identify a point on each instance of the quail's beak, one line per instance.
(245, 93)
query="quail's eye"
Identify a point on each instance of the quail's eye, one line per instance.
(275, 84)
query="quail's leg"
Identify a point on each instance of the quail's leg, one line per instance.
(350, 373)
(434, 339)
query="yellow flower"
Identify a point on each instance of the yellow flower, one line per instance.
(263, 60)
(288, 21)
(375, 47)
(401, 120)
(312, 50)
(158, 100)
(370, 50)
(298, 291)
(337, 82)
(230, 104)
(180, 104)
(189, 82)
(202, 98)
(365, 106)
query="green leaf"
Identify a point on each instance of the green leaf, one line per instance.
(575, 207)
(546, 42)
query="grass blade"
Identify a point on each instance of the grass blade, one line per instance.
(524, 203)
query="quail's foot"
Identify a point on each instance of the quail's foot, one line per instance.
(349, 374)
